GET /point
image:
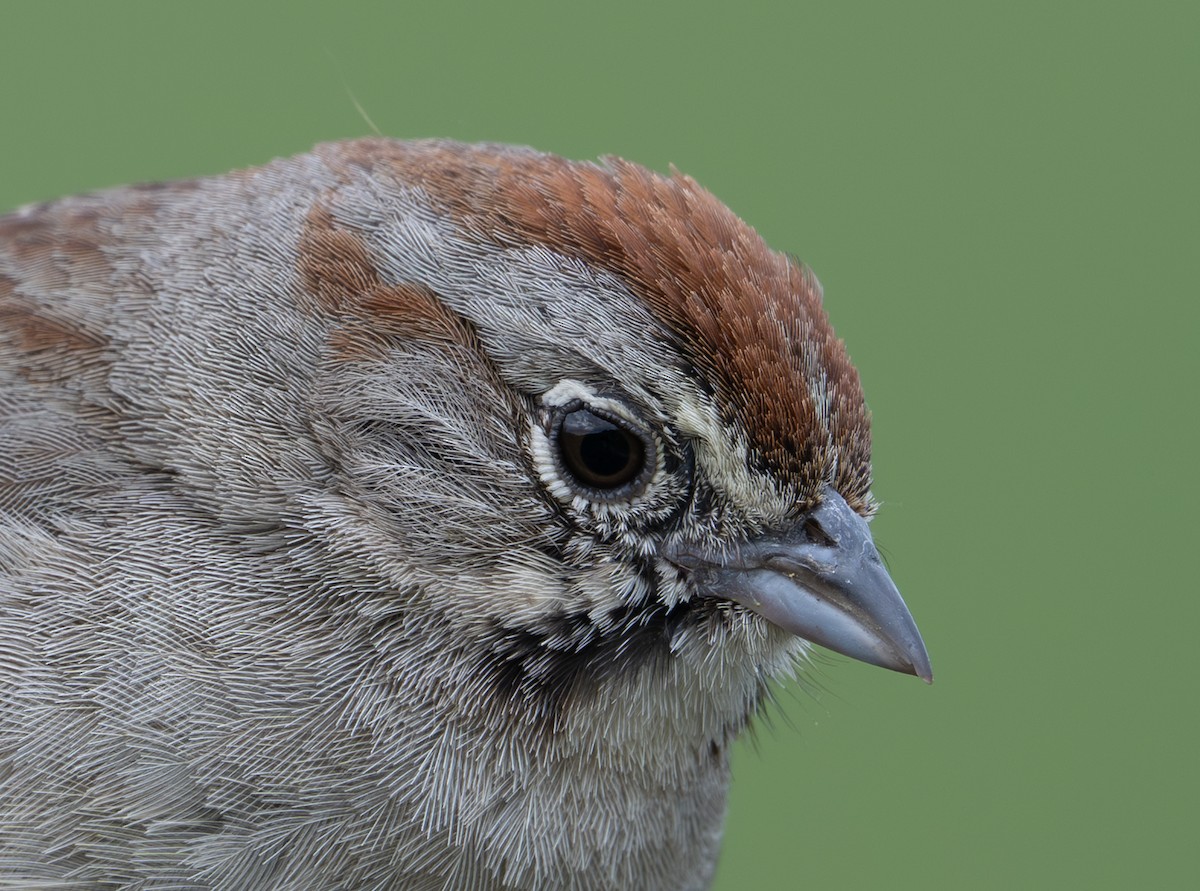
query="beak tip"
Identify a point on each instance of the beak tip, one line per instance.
(902, 653)
(920, 667)
(906, 661)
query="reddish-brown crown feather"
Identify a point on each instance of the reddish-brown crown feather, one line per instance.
(747, 318)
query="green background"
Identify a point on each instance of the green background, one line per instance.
(1001, 201)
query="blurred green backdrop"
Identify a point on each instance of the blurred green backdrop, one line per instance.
(1002, 203)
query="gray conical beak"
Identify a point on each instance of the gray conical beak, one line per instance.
(823, 581)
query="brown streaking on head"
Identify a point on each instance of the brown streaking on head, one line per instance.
(747, 317)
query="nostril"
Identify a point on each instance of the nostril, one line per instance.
(816, 533)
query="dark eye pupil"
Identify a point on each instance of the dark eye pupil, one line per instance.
(597, 452)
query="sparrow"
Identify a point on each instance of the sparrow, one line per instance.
(411, 515)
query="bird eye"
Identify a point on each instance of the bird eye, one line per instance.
(601, 454)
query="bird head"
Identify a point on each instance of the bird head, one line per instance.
(593, 419)
(412, 514)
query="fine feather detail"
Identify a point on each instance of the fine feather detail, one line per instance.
(286, 598)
